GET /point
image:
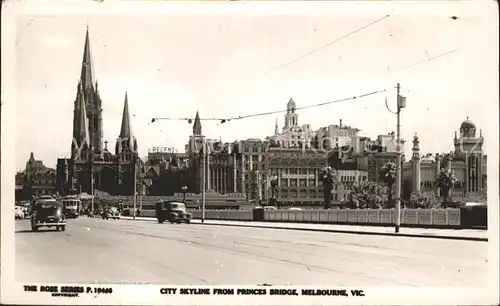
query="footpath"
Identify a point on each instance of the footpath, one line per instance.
(455, 234)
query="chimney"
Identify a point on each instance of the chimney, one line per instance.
(340, 122)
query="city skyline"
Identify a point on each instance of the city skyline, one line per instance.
(162, 82)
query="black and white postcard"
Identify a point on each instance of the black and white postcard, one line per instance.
(249, 153)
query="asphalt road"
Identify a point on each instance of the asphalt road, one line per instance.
(127, 251)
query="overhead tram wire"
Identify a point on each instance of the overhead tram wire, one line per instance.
(223, 120)
(315, 50)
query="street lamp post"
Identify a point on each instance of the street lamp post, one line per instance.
(203, 183)
(135, 188)
(184, 189)
(274, 184)
(401, 103)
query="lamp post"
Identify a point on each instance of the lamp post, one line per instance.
(184, 189)
(401, 103)
(274, 184)
(135, 188)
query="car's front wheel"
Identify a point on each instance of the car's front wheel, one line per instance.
(160, 221)
(63, 228)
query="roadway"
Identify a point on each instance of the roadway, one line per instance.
(127, 251)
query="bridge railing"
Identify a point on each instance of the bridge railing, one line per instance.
(445, 218)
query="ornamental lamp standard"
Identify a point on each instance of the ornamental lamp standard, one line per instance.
(274, 185)
(184, 190)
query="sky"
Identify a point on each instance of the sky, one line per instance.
(226, 65)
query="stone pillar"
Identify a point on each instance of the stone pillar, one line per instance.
(208, 172)
(438, 169)
(467, 174)
(217, 178)
(416, 164)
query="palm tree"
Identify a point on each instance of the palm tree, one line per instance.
(445, 180)
(388, 176)
(329, 178)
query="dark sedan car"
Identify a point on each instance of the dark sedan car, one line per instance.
(48, 213)
(173, 211)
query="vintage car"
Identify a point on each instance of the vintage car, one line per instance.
(173, 211)
(47, 213)
(110, 213)
(19, 212)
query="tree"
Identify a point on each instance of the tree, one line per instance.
(367, 194)
(329, 178)
(445, 181)
(406, 194)
(388, 176)
(423, 200)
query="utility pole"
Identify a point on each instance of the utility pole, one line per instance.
(91, 162)
(204, 154)
(401, 102)
(135, 187)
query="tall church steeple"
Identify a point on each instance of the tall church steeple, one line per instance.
(93, 103)
(126, 129)
(81, 139)
(87, 75)
(126, 144)
(197, 125)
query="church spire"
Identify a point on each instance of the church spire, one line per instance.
(81, 137)
(87, 76)
(83, 130)
(197, 125)
(126, 129)
(276, 130)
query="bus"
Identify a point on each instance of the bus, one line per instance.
(71, 206)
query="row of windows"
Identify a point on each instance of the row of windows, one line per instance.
(44, 182)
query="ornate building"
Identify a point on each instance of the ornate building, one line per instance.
(90, 161)
(334, 136)
(292, 135)
(35, 180)
(366, 155)
(298, 175)
(467, 162)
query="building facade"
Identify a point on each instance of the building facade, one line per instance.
(35, 180)
(467, 162)
(292, 135)
(91, 165)
(298, 175)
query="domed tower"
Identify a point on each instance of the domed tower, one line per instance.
(469, 148)
(416, 164)
(291, 118)
(468, 142)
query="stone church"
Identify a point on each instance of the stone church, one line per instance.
(91, 160)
